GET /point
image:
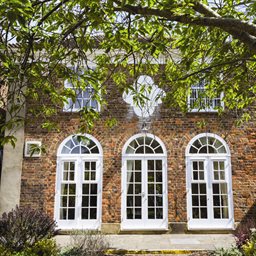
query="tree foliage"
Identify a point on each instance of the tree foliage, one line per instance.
(42, 39)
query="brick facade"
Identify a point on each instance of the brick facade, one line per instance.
(175, 129)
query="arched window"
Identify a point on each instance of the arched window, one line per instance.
(79, 182)
(209, 183)
(144, 184)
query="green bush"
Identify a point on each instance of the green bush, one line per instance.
(233, 251)
(23, 227)
(45, 247)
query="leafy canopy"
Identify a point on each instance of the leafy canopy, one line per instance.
(42, 39)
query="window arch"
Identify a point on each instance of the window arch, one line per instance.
(209, 183)
(78, 183)
(144, 184)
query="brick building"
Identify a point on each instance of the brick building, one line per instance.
(156, 169)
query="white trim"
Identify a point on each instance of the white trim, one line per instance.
(77, 223)
(210, 223)
(127, 143)
(144, 223)
(207, 135)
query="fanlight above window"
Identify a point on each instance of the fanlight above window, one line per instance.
(80, 145)
(144, 145)
(207, 145)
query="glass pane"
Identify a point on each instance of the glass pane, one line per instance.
(138, 177)
(202, 188)
(203, 213)
(93, 213)
(63, 201)
(215, 188)
(93, 166)
(76, 150)
(137, 200)
(203, 201)
(195, 175)
(71, 214)
(129, 201)
(138, 165)
(86, 175)
(151, 177)
(63, 213)
(159, 201)
(94, 189)
(223, 188)
(148, 150)
(159, 177)
(203, 150)
(85, 188)
(84, 150)
(222, 175)
(71, 176)
(93, 201)
(151, 213)
(87, 165)
(216, 213)
(93, 175)
(71, 201)
(195, 213)
(225, 213)
(137, 213)
(195, 201)
(216, 200)
(137, 188)
(159, 150)
(194, 188)
(195, 165)
(130, 165)
(159, 165)
(151, 201)
(129, 212)
(159, 189)
(129, 176)
(159, 213)
(140, 150)
(65, 175)
(130, 189)
(224, 200)
(64, 189)
(85, 213)
(151, 165)
(151, 189)
(85, 201)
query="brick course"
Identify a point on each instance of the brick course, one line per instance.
(173, 128)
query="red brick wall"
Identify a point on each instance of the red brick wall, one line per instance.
(173, 128)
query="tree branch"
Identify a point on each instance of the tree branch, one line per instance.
(241, 30)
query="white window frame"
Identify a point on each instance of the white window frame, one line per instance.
(210, 223)
(71, 106)
(78, 223)
(144, 223)
(212, 108)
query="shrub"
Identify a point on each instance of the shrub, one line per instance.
(86, 243)
(24, 227)
(233, 251)
(243, 232)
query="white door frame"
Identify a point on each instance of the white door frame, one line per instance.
(210, 223)
(144, 223)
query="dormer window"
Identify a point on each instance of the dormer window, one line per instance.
(199, 101)
(84, 98)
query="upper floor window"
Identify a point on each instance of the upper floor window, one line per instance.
(83, 98)
(199, 101)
